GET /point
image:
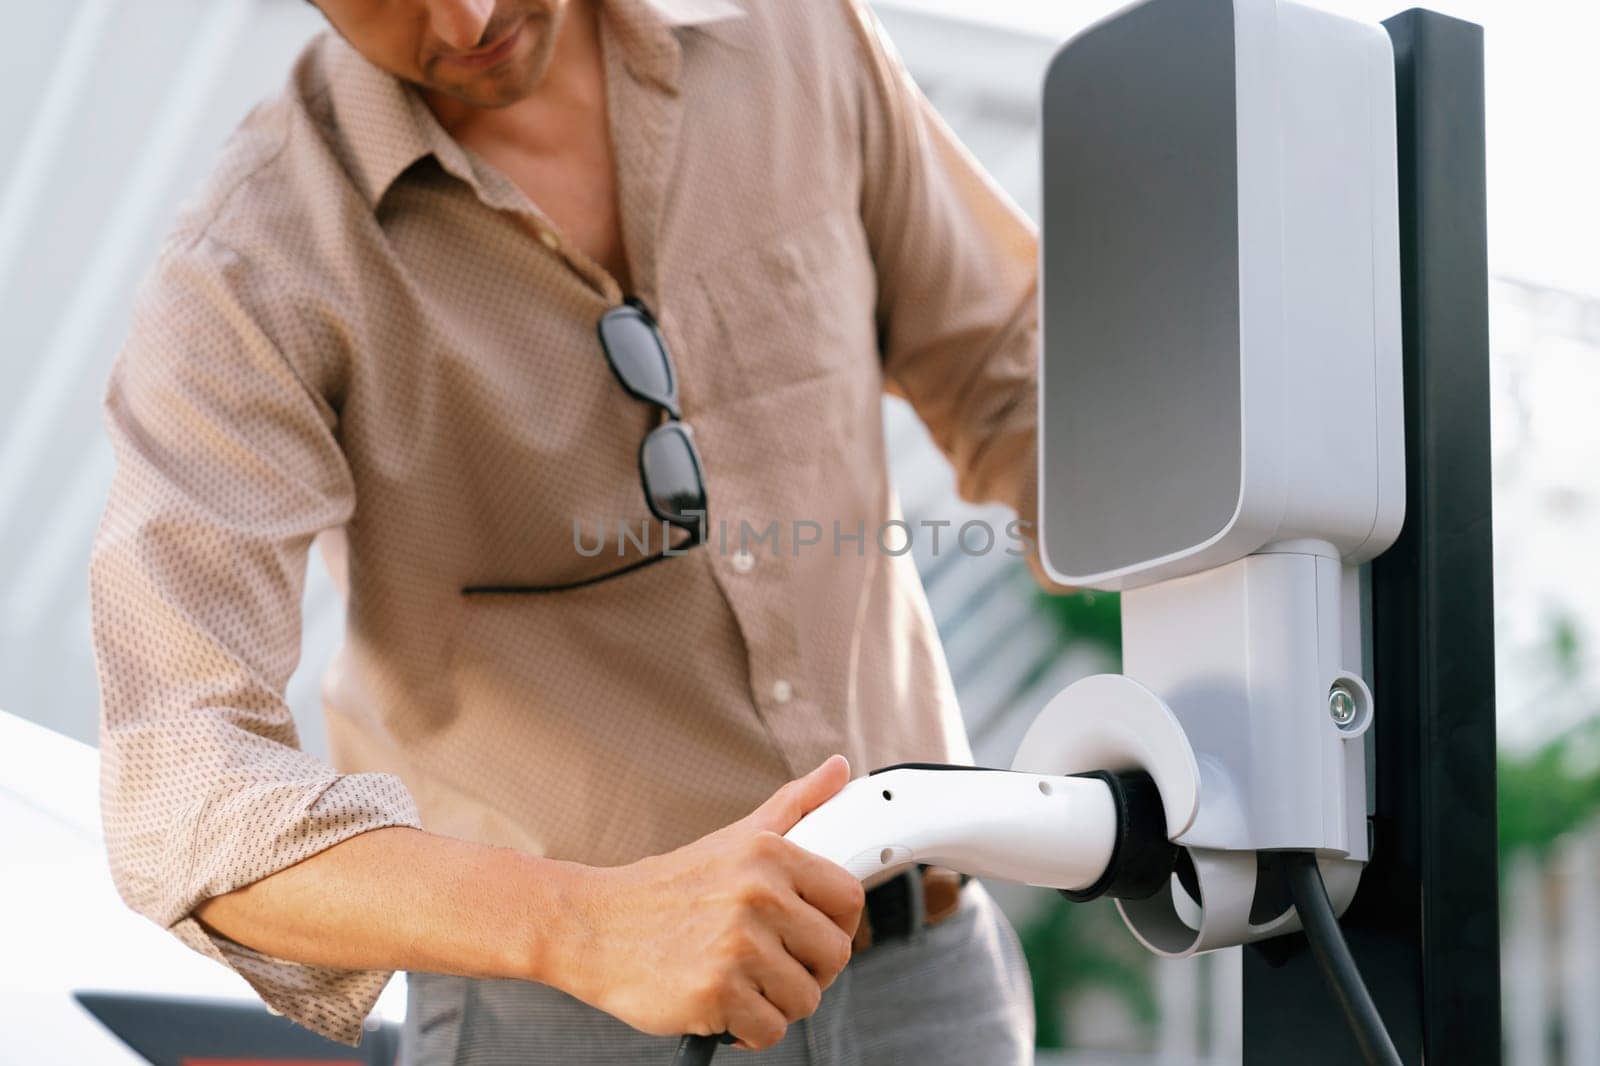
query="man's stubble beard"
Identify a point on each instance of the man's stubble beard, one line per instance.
(512, 83)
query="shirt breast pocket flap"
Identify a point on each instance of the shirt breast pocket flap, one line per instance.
(798, 305)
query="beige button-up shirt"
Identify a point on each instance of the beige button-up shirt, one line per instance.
(360, 331)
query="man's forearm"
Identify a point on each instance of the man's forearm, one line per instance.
(403, 899)
(739, 930)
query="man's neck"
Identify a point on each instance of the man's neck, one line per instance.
(572, 86)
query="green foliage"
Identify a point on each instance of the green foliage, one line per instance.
(1566, 647)
(1073, 947)
(1550, 791)
(1089, 616)
(1554, 789)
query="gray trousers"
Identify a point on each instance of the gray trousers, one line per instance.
(956, 993)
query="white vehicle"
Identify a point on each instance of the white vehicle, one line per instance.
(83, 979)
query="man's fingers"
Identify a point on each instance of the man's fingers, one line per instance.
(787, 984)
(804, 794)
(755, 1021)
(816, 941)
(828, 887)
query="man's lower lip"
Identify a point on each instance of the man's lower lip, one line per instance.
(493, 55)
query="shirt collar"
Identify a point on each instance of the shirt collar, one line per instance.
(644, 29)
(384, 124)
(387, 127)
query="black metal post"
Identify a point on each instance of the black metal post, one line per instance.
(1424, 926)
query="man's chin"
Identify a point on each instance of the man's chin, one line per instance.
(489, 95)
(491, 102)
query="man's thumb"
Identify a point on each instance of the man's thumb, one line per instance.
(794, 800)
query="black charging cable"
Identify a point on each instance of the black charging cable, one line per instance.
(1310, 896)
(696, 1050)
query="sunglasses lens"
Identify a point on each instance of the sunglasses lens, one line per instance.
(671, 470)
(634, 348)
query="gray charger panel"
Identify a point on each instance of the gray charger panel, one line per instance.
(1141, 428)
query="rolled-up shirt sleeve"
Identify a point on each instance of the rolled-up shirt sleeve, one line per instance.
(227, 466)
(957, 266)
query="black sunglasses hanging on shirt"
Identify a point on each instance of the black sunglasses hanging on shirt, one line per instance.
(670, 470)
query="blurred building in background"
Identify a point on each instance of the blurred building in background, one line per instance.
(113, 112)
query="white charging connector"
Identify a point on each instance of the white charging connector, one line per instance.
(1088, 835)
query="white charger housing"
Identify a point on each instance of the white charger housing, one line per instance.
(1221, 432)
(1221, 301)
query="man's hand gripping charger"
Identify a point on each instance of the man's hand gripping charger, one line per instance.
(1088, 835)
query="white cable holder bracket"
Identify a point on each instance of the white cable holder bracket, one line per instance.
(1241, 702)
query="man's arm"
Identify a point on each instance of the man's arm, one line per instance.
(226, 469)
(312, 884)
(739, 931)
(401, 898)
(957, 266)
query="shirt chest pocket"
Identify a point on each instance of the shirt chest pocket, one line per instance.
(798, 305)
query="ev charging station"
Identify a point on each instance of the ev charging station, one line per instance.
(1220, 430)
(1263, 420)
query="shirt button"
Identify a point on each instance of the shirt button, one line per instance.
(743, 561)
(549, 239)
(781, 691)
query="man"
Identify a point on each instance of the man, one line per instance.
(425, 311)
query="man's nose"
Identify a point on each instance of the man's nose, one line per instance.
(459, 23)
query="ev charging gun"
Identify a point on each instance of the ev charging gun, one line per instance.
(1089, 835)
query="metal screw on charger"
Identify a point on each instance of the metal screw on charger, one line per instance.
(1341, 706)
